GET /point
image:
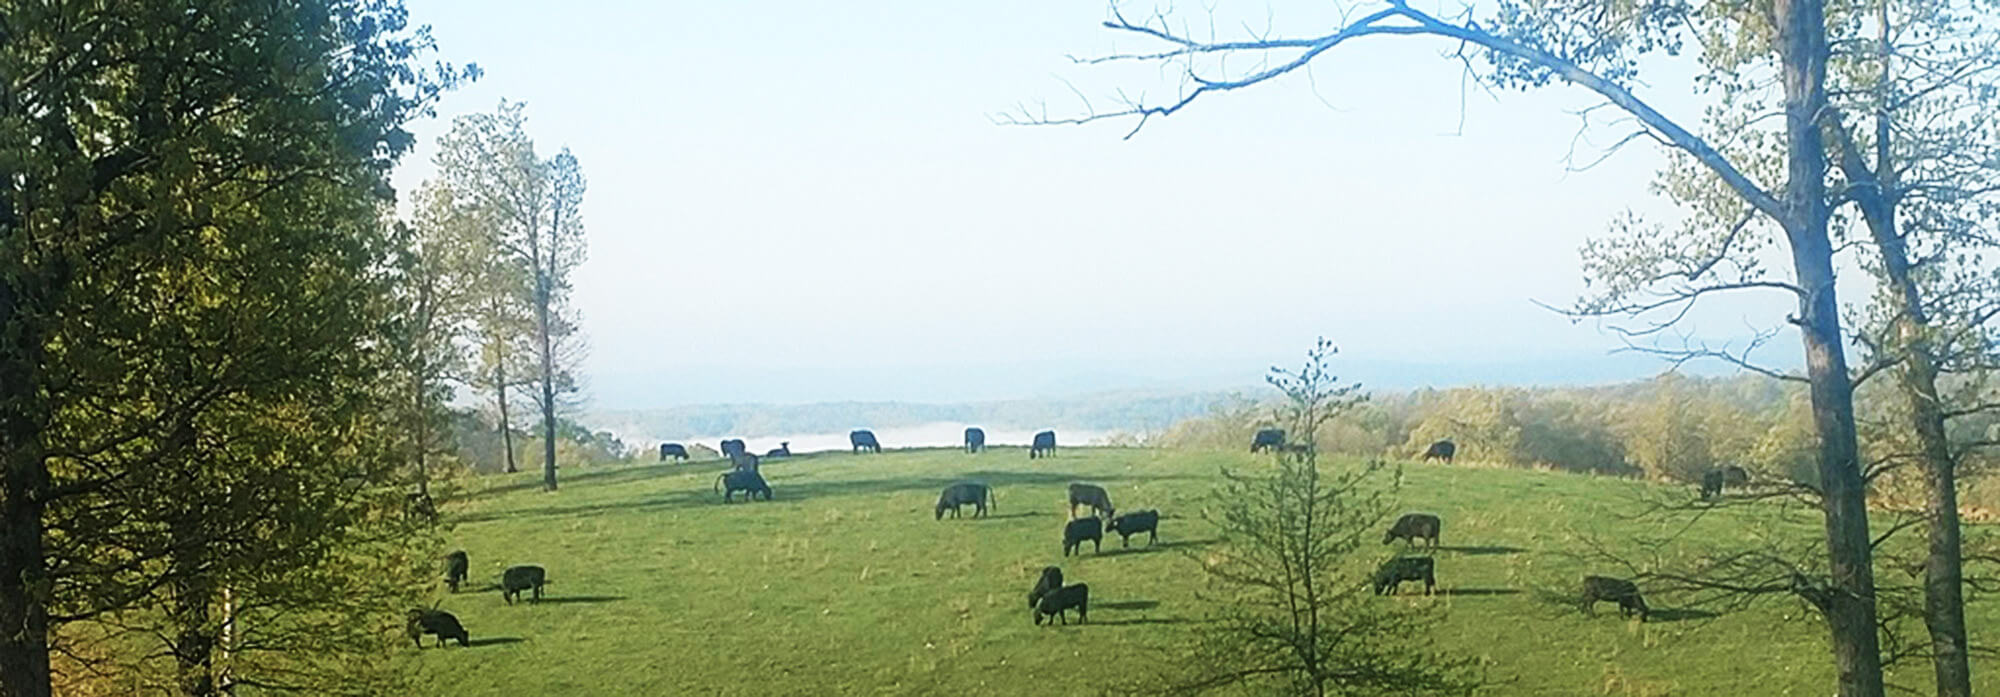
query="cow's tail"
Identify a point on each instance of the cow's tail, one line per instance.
(992, 500)
(718, 481)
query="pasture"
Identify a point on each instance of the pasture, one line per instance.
(845, 585)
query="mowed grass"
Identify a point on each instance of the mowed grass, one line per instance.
(845, 585)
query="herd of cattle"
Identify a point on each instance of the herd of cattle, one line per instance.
(1050, 599)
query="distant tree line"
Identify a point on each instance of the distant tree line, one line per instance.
(1669, 428)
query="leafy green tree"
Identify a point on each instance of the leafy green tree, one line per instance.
(1291, 611)
(189, 232)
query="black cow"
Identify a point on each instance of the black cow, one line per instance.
(438, 622)
(1618, 590)
(1390, 576)
(1076, 531)
(733, 446)
(419, 504)
(1147, 521)
(1044, 445)
(1050, 581)
(1091, 494)
(783, 450)
(1268, 439)
(525, 577)
(961, 494)
(747, 481)
(1067, 597)
(864, 441)
(1441, 450)
(1711, 485)
(743, 462)
(975, 440)
(456, 566)
(1415, 526)
(673, 450)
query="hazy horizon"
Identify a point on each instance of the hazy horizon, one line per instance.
(823, 208)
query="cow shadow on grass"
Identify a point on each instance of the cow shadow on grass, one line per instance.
(1142, 620)
(1162, 546)
(576, 599)
(1679, 614)
(493, 641)
(1130, 605)
(1480, 592)
(1481, 550)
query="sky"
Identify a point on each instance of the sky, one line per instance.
(812, 201)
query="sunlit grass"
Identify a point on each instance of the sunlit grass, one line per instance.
(845, 584)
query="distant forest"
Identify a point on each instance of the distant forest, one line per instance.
(1669, 428)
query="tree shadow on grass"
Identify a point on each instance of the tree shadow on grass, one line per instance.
(1482, 551)
(493, 641)
(786, 489)
(1477, 592)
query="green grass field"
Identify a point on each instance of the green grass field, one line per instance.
(845, 585)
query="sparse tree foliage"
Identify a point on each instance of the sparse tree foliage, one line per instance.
(531, 213)
(1290, 606)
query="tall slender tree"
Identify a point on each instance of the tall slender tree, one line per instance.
(533, 213)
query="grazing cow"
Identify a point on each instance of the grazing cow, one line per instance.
(1390, 576)
(1092, 494)
(1735, 476)
(975, 439)
(443, 624)
(1044, 445)
(1076, 531)
(1618, 590)
(783, 450)
(1146, 521)
(1050, 581)
(747, 481)
(525, 577)
(864, 441)
(1056, 602)
(1268, 439)
(743, 462)
(1711, 484)
(963, 493)
(456, 566)
(673, 450)
(1441, 450)
(733, 446)
(1415, 526)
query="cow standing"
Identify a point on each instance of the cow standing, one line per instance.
(863, 440)
(1268, 439)
(1618, 590)
(1415, 526)
(1044, 445)
(747, 481)
(1441, 450)
(1091, 495)
(733, 446)
(962, 493)
(673, 450)
(975, 440)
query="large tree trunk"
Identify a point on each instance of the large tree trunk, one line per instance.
(24, 481)
(1849, 605)
(548, 383)
(1944, 599)
(194, 635)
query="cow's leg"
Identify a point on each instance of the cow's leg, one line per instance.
(1152, 536)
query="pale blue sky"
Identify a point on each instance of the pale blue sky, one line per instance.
(781, 192)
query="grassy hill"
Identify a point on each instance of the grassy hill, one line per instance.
(845, 585)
